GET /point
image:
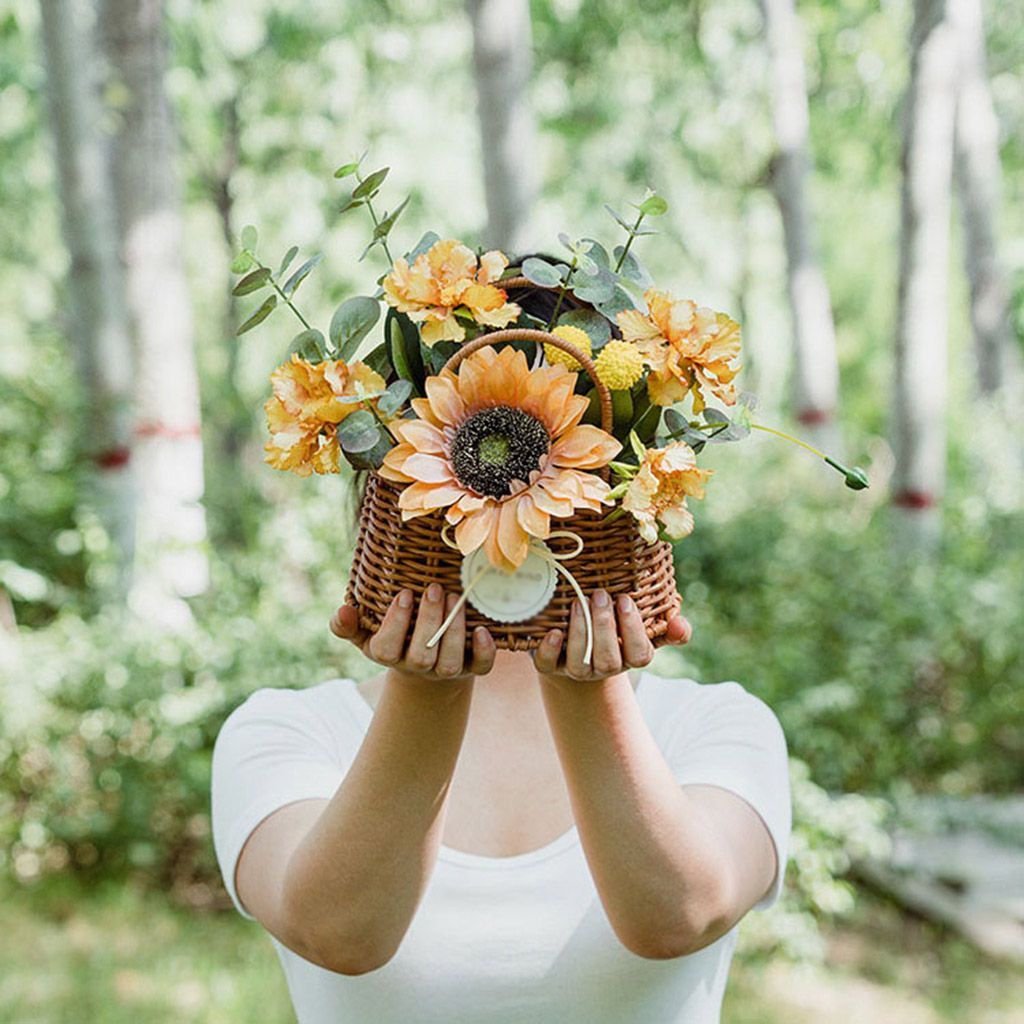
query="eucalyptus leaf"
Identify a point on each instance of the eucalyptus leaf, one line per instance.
(595, 290)
(286, 262)
(422, 245)
(598, 253)
(377, 359)
(396, 395)
(653, 206)
(352, 321)
(619, 301)
(619, 218)
(252, 282)
(242, 262)
(372, 458)
(383, 229)
(596, 326)
(541, 273)
(249, 237)
(358, 432)
(372, 245)
(300, 275)
(369, 185)
(260, 315)
(310, 345)
(633, 269)
(641, 232)
(346, 169)
(350, 204)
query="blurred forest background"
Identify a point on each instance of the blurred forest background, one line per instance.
(846, 179)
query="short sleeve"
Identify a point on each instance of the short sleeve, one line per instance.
(277, 747)
(729, 738)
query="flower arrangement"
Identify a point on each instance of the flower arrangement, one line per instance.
(505, 399)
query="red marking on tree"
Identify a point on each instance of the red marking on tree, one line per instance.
(113, 458)
(914, 499)
(154, 429)
(814, 417)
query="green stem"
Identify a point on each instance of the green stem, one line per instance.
(376, 223)
(291, 305)
(629, 241)
(561, 294)
(768, 430)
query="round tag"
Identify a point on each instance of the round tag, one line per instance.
(509, 596)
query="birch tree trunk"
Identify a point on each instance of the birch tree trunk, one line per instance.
(977, 177)
(919, 408)
(97, 317)
(816, 367)
(170, 559)
(502, 60)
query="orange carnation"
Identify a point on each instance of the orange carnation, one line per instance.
(658, 492)
(306, 407)
(445, 278)
(689, 348)
(501, 448)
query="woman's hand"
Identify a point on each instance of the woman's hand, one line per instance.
(388, 646)
(620, 640)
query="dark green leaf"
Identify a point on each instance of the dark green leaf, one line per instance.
(539, 272)
(403, 340)
(350, 204)
(249, 237)
(384, 227)
(395, 397)
(310, 345)
(260, 315)
(286, 262)
(252, 282)
(622, 409)
(300, 275)
(366, 188)
(352, 321)
(375, 456)
(358, 432)
(379, 360)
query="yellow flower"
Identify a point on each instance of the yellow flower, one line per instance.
(501, 448)
(620, 364)
(689, 348)
(306, 407)
(577, 337)
(447, 278)
(658, 492)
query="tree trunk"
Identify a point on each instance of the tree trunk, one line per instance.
(502, 58)
(977, 176)
(816, 376)
(97, 318)
(918, 427)
(170, 560)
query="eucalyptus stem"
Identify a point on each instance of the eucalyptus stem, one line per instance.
(277, 288)
(376, 224)
(629, 241)
(561, 293)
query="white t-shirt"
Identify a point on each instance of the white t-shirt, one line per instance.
(501, 940)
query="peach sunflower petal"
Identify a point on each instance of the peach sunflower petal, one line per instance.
(585, 447)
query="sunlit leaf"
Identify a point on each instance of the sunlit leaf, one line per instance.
(252, 282)
(541, 273)
(366, 188)
(249, 237)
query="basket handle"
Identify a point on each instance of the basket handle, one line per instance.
(541, 338)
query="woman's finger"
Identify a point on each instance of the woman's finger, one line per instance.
(545, 657)
(637, 649)
(451, 648)
(679, 630)
(419, 657)
(484, 651)
(607, 659)
(345, 625)
(388, 643)
(576, 642)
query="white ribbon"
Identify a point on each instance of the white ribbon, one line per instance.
(542, 550)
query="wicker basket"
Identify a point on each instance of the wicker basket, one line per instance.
(391, 555)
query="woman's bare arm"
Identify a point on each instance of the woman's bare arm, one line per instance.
(339, 880)
(675, 866)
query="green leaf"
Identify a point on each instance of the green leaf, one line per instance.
(358, 432)
(300, 275)
(379, 360)
(350, 204)
(286, 262)
(598, 253)
(310, 345)
(622, 408)
(589, 320)
(619, 301)
(372, 458)
(422, 245)
(252, 282)
(369, 185)
(249, 237)
(653, 206)
(633, 269)
(619, 218)
(396, 395)
(242, 262)
(541, 273)
(403, 341)
(597, 289)
(352, 321)
(637, 445)
(373, 244)
(260, 315)
(346, 169)
(647, 416)
(641, 232)
(383, 229)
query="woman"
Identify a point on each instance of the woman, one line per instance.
(504, 838)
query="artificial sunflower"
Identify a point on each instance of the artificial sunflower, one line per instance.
(689, 348)
(658, 493)
(445, 279)
(309, 400)
(502, 449)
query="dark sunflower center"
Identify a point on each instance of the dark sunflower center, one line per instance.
(497, 446)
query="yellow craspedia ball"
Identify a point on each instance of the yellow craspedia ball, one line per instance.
(619, 365)
(577, 337)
